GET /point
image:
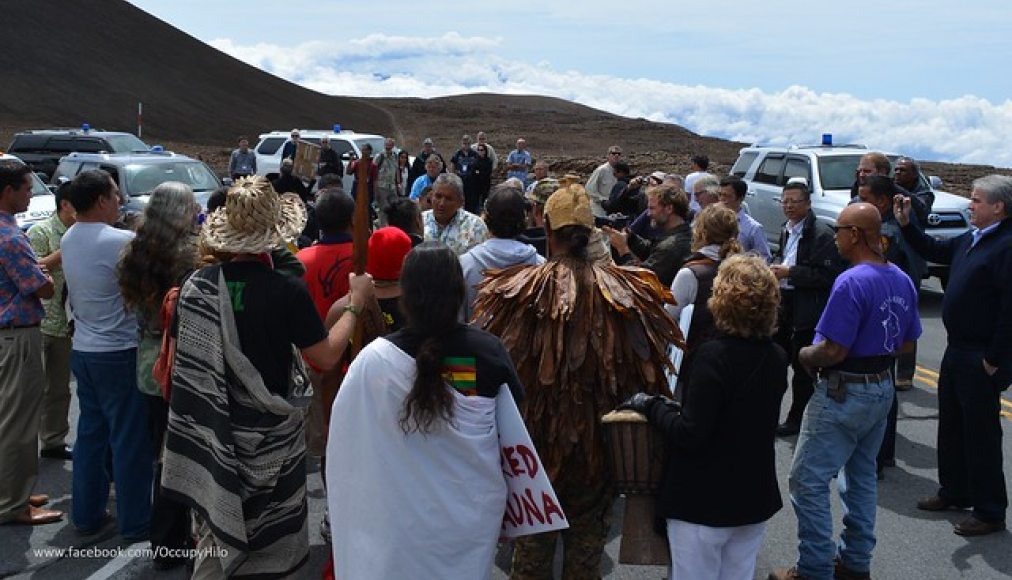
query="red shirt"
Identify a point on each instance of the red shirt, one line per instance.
(328, 264)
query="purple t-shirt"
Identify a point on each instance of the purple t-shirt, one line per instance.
(872, 311)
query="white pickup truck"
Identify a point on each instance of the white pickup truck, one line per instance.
(829, 170)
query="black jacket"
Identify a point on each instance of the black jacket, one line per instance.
(720, 467)
(817, 266)
(479, 178)
(665, 256)
(329, 162)
(977, 305)
(288, 183)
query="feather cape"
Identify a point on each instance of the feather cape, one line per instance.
(584, 336)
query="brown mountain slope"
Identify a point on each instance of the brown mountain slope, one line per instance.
(72, 61)
(93, 61)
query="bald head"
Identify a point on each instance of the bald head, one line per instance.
(863, 215)
(858, 233)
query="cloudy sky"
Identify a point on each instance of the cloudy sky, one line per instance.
(917, 77)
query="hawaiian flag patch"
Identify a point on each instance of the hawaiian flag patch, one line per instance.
(461, 373)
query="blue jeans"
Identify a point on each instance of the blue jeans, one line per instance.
(838, 436)
(114, 415)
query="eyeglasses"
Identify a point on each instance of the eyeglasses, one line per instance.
(614, 153)
(838, 227)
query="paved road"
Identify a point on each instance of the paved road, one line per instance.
(912, 544)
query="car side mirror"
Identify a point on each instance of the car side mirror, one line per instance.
(936, 182)
(227, 181)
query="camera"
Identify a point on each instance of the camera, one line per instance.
(615, 221)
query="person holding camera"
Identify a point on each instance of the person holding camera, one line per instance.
(668, 208)
(627, 194)
(977, 364)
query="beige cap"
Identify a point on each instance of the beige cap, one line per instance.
(569, 206)
(254, 219)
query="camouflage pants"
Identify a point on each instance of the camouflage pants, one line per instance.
(587, 503)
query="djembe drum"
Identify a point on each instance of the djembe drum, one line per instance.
(636, 457)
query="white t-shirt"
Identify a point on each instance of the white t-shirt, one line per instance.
(91, 252)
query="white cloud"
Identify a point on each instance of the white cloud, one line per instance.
(966, 129)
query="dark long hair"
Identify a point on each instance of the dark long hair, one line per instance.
(432, 284)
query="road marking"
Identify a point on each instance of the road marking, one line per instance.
(117, 563)
(929, 378)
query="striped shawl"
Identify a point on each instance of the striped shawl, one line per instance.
(234, 452)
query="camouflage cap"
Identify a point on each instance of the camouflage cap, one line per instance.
(569, 206)
(543, 190)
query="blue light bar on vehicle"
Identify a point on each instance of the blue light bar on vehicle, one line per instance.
(827, 139)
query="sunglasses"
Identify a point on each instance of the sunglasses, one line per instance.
(838, 227)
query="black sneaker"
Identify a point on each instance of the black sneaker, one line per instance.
(62, 452)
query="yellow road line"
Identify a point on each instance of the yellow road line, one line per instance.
(929, 378)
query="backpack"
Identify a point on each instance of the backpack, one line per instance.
(162, 370)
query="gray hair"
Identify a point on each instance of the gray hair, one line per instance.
(451, 179)
(710, 183)
(996, 188)
(163, 250)
(171, 203)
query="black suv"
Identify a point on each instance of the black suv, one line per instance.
(42, 150)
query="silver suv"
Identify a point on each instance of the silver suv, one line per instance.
(829, 171)
(137, 174)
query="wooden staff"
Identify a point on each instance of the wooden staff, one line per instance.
(360, 237)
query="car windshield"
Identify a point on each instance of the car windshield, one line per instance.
(39, 188)
(838, 171)
(376, 142)
(126, 144)
(141, 179)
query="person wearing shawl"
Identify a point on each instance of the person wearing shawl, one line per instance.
(235, 446)
(584, 335)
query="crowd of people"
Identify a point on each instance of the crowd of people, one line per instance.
(215, 349)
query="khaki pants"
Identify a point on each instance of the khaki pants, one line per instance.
(21, 388)
(53, 424)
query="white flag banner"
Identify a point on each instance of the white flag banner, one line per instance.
(531, 506)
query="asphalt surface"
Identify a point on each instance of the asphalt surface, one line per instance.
(911, 543)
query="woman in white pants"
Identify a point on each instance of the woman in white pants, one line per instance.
(719, 485)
